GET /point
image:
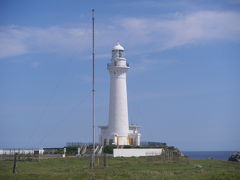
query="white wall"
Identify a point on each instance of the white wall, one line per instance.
(19, 151)
(136, 152)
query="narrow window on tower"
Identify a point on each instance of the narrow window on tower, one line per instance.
(115, 53)
(120, 53)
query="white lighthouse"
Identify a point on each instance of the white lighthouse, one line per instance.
(118, 131)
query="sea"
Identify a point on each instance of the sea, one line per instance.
(200, 155)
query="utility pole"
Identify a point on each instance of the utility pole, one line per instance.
(105, 161)
(15, 163)
(92, 164)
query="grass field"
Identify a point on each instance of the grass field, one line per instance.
(121, 168)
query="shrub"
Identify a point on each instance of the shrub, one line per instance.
(109, 149)
(59, 151)
(71, 150)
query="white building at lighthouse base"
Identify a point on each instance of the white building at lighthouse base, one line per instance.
(107, 138)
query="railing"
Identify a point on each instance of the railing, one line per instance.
(115, 64)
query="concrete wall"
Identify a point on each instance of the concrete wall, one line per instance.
(136, 152)
(19, 151)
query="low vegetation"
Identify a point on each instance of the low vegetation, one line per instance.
(121, 168)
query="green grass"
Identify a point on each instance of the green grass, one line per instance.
(121, 168)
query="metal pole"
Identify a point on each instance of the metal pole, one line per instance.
(105, 161)
(93, 92)
(15, 163)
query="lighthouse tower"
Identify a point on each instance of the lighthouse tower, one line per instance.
(118, 131)
(118, 106)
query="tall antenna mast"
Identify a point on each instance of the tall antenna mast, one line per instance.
(92, 164)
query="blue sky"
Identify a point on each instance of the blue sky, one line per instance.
(183, 85)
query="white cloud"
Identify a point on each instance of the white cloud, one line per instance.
(11, 42)
(146, 63)
(140, 34)
(235, 2)
(17, 40)
(184, 29)
(35, 64)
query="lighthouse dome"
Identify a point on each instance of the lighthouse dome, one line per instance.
(118, 47)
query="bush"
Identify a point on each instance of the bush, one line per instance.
(72, 150)
(59, 151)
(109, 149)
(171, 148)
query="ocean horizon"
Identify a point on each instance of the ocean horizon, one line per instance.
(201, 155)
